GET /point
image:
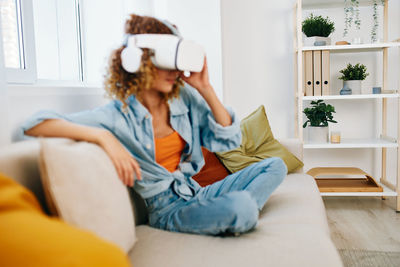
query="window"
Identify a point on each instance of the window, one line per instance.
(58, 40)
(11, 34)
(18, 42)
(74, 38)
(102, 31)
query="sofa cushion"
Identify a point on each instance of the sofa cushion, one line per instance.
(296, 201)
(279, 239)
(258, 143)
(82, 186)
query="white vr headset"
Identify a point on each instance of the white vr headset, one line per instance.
(170, 52)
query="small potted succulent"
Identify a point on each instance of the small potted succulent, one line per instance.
(352, 77)
(317, 29)
(318, 115)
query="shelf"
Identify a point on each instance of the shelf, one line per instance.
(362, 96)
(386, 192)
(352, 48)
(351, 188)
(362, 185)
(317, 4)
(353, 143)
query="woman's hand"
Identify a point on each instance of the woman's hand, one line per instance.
(123, 161)
(199, 80)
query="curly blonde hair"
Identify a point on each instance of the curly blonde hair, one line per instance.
(120, 84)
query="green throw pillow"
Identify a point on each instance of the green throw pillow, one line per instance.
(258, 143)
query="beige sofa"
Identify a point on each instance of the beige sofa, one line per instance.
(292, 229)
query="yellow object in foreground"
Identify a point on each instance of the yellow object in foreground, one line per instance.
(31, 238)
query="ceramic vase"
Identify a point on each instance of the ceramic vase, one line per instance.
(310, 41)
(318, 134)
(354, 85)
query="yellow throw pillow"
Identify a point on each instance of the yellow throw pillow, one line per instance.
(258, 143)
(30, 238)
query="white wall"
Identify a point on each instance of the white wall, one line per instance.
(24, 101)
(258, 59)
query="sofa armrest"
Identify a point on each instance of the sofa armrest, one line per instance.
(295, 146)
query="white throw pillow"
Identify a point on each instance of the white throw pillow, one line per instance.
(82, 187)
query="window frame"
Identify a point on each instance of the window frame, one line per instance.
(28, 74)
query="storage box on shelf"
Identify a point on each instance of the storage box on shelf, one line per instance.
(366, 183)
(303, 96)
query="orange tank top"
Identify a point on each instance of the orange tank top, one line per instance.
(169, 150)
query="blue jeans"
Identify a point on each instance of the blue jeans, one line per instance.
(228, 206)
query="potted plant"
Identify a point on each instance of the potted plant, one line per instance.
(352, 77)
(318, 115)
(375, 26)
(351, 14)
(317, 29)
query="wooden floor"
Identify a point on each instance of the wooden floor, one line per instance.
(364, 223)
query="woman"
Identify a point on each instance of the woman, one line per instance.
(154, 129)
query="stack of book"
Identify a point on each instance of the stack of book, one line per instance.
(316, 73)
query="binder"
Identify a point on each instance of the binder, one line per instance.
(325, 76)
(317, 73)
(308, 73)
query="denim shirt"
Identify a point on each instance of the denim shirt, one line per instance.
(190, 116)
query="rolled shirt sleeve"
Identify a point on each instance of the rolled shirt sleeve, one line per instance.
(214, 136)
(99, 117)
(219, 138)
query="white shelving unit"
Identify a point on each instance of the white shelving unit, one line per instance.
(344, 97)
(352, 48)
(384, 141)
(354, 143)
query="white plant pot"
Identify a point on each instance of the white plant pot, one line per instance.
(318, 134)
(309, 41)
(354, 85)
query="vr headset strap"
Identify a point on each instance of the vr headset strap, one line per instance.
(174, 30)
(148, 40)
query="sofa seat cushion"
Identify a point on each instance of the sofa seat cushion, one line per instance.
(296, 201)
(285, 245)
(292, 231)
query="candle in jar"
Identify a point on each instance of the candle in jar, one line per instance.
(335, 137)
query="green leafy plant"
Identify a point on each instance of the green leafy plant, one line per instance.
(319, 114)
(317, 26)
(351, 14)
(376, 21)
(356, 72)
